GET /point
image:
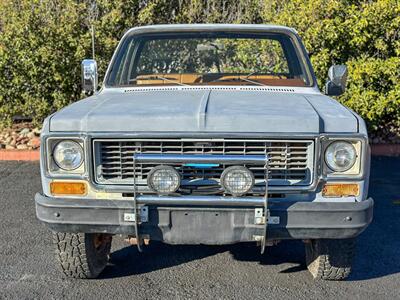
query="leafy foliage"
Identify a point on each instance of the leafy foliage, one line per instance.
(364, 35)
(42, 43)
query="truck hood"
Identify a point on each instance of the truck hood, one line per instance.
(205, 111)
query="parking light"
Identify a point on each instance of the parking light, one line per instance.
(340, 190)
(59, 188)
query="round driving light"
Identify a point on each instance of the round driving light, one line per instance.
(237, 180)
(68, 155)
(164, 180)
(340, 156)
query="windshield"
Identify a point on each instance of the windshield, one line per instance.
(208, 59)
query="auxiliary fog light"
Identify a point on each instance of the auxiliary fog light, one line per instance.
(164, 179)
(237, 180)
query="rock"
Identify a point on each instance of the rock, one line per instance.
(8, 139)
(2, 146)
(22, 147)
(22, 140)
(13, 142)
(9, 147)
(6, 135)
(36, 131)
(24, 131)
(30, 135)
(34, 143)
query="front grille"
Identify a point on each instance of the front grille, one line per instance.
(290, 161)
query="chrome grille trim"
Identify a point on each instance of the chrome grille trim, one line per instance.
(291, 161)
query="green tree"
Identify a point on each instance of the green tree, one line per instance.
(364, 35)
(42, 43)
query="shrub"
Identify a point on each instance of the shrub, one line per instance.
(42, 43)
(365, 36)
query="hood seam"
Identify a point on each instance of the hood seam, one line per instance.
(321, 121)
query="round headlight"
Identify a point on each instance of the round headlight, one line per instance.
(68, 155)
(237, 180)
(164, 180)
(340, 156)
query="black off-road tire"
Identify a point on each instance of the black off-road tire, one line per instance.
(82, 255)
(330, 259)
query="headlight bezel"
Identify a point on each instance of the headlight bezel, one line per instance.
(53, 169)
(356, 171)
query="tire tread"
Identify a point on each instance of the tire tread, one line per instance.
(330, 259)
(71, 253)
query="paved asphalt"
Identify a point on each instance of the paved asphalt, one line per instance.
(27, 265)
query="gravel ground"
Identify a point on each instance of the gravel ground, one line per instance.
(28, 270)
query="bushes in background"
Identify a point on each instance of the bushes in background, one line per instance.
(364, 35)
(42, 43)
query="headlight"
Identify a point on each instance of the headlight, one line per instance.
(340, 156)
(237, 180)
(68, 155)
(163, 180)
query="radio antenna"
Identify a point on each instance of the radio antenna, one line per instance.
(93, 13)
(92, 41)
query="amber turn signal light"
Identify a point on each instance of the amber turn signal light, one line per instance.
(68, 188)
(341, 190)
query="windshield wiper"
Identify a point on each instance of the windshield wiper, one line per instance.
(157, 77)
(238, 78)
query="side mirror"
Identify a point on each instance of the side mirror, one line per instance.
(337, 78)
(89, 76)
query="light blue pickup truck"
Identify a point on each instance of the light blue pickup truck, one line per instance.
(206, 134)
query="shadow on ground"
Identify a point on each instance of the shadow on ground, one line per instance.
(128, 261)
(378, 247)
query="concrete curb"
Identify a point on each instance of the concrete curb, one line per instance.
(34, 155)
(385, 149)
(26, 155)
